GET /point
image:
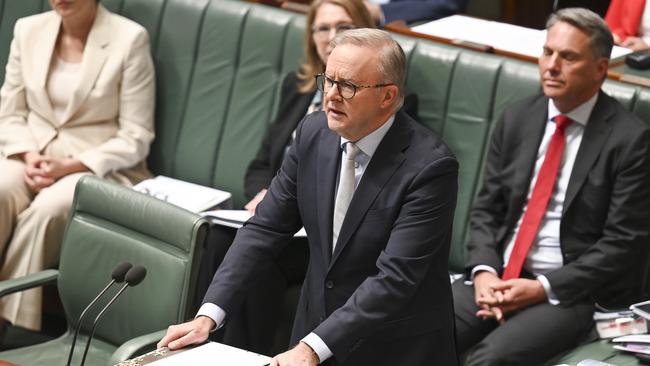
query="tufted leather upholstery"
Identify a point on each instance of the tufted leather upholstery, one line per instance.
(109, 224)
(219, 65)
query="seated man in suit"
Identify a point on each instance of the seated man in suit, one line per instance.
(561, 221)
(376, 193)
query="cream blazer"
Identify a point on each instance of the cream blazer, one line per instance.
(108, 124)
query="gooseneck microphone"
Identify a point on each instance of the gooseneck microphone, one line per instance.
(118, 274)
(133, 278)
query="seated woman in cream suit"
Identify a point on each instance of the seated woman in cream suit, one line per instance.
(78, 98)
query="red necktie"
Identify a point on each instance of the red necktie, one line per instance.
(538, 202)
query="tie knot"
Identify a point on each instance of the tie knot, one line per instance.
(562, 122)
(351, 151)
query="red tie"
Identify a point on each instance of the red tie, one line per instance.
(539, 200)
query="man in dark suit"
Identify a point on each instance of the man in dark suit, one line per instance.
(375, 192)
(561, 221)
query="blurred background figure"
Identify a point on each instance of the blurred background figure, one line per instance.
(629, 21)
(78, 98)
(386, 11)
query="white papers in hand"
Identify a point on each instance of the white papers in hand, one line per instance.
(214, 354)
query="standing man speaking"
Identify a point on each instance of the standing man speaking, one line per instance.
(376, 193)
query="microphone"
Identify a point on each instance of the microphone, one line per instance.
(117, 277)
(133, 278)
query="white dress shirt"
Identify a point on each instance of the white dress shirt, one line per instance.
(545, 254)
(367, 146)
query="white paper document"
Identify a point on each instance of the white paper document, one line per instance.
(214, 354)
(501, 36)
(190, 196)
(635, 338)
(236, 219)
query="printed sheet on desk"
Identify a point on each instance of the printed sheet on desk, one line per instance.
(214, 354)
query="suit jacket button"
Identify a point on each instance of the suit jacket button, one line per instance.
(329, 284)
(321, 319)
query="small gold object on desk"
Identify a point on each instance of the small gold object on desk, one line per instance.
(149, 357)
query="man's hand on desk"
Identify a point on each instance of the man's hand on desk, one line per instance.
(300, 355)
(192, 332)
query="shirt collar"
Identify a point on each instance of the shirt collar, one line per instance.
(579, 114)
(369, 143)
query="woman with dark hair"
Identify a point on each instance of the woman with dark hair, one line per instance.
(78, 98)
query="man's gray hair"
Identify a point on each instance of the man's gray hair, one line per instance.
(600, 37)
(392, 61)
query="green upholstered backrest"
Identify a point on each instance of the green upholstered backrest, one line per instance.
(10, 11)
(110, 224)
(219, 66)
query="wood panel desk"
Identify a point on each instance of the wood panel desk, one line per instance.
(617, 69)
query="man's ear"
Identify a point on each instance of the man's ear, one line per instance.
(390, 94)
(603, 67)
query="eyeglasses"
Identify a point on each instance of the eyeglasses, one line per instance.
(325, 30)
(346, 89)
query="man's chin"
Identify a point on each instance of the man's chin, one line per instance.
(552, 92)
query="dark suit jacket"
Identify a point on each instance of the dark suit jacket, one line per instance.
(293, 106)
(383, 297)
(604, 228)
(418, 10)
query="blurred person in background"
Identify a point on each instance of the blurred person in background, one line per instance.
(78, 98)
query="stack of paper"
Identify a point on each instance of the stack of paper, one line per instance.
(190, 196)
(639, 343)
(501, 36)
(236, 219)
(214, 354)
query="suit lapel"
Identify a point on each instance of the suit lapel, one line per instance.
(595, 134)
(387, 158)
(531, 133)
(95, 54)
(329, 151)
(44, 51)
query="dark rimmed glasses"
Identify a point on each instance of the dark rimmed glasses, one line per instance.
(346, 89)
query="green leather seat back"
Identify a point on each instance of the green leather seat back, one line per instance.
(209, 96)
(110, 224)
(10, 11)
(175, 59)
(259, 70)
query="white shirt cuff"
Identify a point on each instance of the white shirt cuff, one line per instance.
(213, 312)
(317, 344)
(552, 299)
(477, 269)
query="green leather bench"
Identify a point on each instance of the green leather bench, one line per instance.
(219, 65)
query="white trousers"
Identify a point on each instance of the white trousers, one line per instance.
(31, 229)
